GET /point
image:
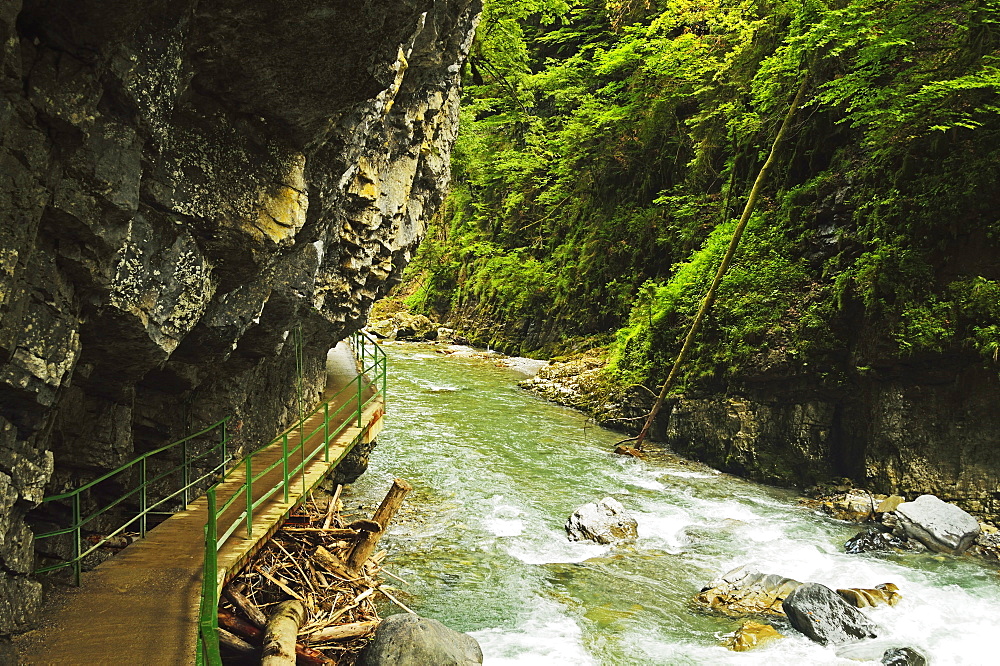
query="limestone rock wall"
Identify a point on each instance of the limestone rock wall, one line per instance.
(182, 183)
(898, 428)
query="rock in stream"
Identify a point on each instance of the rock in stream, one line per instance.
(605, 521)
(411, 640)
(745, 590)
(940, 526)
(822, 615)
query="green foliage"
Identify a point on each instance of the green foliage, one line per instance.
(606, 147)
(757, 300)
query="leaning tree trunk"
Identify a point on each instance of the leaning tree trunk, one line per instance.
(709, 299)
(280, 633)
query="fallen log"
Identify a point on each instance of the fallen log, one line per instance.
(279, 635)
(364, 546)
(245, 606)
(240, 627)
(337, 532)
(331, 508)
(236, 644)
(365, 525)
(237, 625)
(342, 631)
(332, 563)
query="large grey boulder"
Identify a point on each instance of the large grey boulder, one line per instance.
(411, 640)
(940, 526)
(605, 521)
(822, 615)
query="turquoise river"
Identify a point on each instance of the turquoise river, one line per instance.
(482, 547)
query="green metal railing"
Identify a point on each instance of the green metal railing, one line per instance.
(188, 467)
(339, 412)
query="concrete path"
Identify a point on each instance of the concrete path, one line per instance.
(141, 606)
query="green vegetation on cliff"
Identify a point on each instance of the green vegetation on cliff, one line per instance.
(607, 148)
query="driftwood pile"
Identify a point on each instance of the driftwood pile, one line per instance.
(308, 596)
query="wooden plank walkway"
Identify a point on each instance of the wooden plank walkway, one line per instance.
(141, 606)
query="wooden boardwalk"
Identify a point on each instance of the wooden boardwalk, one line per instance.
(141, 606)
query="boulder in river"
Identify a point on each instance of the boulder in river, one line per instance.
(940, 526)
(890, 503)
(751, 635)
(987, 544)
(886, 593)
(855, 505)
(745, 590)
(605, 521)
(874, 540)
(903, 656)
(411, 640)
(822, 615)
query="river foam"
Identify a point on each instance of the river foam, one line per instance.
(497, 473)
(547, 636)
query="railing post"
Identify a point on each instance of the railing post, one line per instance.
(248, 484)
(224, 459)
(209, 621)
(212, 536)
(358, 380)
(326, 431)
(185, 472)
(284, 463)
(143, 505)
(77, 538)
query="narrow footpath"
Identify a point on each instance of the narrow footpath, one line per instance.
(141, 606)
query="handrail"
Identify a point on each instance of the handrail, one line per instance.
(372, 375)
(145, 508)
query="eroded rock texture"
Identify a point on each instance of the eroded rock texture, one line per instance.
(898, 429)
(182, 183)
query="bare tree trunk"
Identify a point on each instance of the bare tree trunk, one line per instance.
(280, 633)
(367, 541)
(709, 299)
(342, 631)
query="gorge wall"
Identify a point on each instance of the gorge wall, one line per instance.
(182, 183)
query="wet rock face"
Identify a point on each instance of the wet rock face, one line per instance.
(752, 635)
(745, 590)
(822, 615)
(410, 640)
(939, 526)
(903, 656)
(906, 430)
(874, 540)
(183, 183)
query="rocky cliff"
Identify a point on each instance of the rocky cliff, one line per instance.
(183, 183)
